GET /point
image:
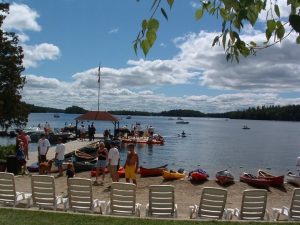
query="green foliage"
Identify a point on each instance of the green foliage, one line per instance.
(75, 110)
(235, 14)
(12, 109)
(39, 109)
(6, 151)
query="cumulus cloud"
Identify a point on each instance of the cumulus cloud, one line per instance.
(283, 7)
(61, 94)
(21, 18)
(256, 80)
(40, 52)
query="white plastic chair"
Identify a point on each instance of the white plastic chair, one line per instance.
(8, 194)
(212, 204)
(123, 200)
(80, 196)
(253, 205)
(161, 201)
(43, 192)
(293, 212)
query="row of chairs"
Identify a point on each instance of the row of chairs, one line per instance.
(123, 200)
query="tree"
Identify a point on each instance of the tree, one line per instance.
(12, 110)
(234, 14)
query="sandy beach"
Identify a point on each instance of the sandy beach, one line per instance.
(186, 193)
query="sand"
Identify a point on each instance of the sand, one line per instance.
(186, 193)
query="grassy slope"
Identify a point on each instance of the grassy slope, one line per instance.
(29, 217)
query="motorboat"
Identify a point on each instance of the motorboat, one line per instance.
(56, 115)
(182, 122)
(275, 180)
(128, 117)
(245, 127)
(224, 177)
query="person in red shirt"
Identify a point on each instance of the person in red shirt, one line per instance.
(25, 141)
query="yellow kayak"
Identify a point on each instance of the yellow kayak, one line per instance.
(172, 175)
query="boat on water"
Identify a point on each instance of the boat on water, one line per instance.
(254, 181)
(224, 177)
(152, 172)
(292, 178)
(275, 180)
(198, 175)
(245, 127)
(179, 118)
(172, 175)
(128, 117)
(182, 122)
(56, 115)
(143, 140)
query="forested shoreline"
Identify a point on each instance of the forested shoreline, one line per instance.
(283, 113)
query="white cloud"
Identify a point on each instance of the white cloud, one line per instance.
(113, 31)
(40, 52)
(283, 7)
(136, 87)
(20, 18)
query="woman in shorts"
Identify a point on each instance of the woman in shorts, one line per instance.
(102, 154)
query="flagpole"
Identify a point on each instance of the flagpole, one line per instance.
(99, 72)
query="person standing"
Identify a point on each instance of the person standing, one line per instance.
(131, 165)
(43, 148)
(59, 156)
(93, 131)
(102, 154)
(25, 141)
(113, 161)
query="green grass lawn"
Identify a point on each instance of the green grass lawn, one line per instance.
(29, 217)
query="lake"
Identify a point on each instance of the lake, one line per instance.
(213, 144)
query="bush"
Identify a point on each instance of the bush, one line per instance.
(6, 151)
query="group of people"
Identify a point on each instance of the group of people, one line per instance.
(111, 160)
(91, 132)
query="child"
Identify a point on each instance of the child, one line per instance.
(70, 173)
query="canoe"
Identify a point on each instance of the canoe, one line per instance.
(93, 172)
(254, 181)
(142, 141)
(172, 175)
(82, 155)
(152, 172)
(121, 172)
(275, 180)
(84, 166)
(292, 178)
(224, 177)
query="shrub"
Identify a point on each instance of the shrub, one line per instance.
(6, 151)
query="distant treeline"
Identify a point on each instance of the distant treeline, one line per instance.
(285, 113)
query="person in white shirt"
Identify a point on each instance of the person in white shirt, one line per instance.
(43, 147)
(113, 161)
(59, 156)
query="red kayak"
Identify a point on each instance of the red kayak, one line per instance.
(198, 175)
(152, 172)
(224, 177)
(253, 180)
(275, 180)
(93, 172)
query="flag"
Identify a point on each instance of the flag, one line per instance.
(99, 74)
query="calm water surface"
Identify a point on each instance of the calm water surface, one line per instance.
(213, 144)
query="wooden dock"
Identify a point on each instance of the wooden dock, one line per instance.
(70, 147)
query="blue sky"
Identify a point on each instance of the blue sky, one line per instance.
(64, 41)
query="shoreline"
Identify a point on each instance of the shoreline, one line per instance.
(186, 193)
